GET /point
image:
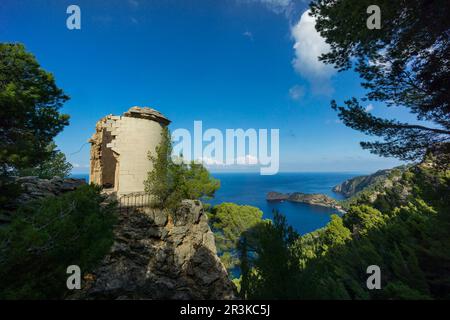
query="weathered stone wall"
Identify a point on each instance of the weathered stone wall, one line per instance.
(103, 162)
(134, 138)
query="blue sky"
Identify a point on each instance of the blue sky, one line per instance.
(232, 64)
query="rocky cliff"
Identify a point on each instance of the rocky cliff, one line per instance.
(352, 186)
(391, 186)
(157, 255)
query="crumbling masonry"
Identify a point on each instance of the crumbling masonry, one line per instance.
(120, 147)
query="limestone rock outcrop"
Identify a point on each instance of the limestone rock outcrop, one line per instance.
(157, 255)
(34, 188)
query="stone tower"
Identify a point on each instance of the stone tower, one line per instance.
(120, 147)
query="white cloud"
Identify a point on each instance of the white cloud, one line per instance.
(245, 160)
(296, 92)
(211, 162)
(248, 159)
(369, 107)
(79, 166)
(309, 45)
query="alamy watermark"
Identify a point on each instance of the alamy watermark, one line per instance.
(73, 21)
(374, 280)
(374, 20)
(237, 147)
(74, 280)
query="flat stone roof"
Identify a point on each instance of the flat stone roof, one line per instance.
(147, 113)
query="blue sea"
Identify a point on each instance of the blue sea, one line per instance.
(251, 189)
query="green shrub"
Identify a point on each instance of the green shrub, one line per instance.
(48, 235)
(172, 181)
(55, 165)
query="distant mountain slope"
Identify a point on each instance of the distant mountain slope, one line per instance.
(352, 186)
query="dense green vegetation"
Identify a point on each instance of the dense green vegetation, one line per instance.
(229, 221)
(46, 236)
(29, 118)
(409, 240)
(376, 191)
(171, 181)
(405, 63)
(400, 223)
(266, 260)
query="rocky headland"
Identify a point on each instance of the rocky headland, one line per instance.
(314, 199)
